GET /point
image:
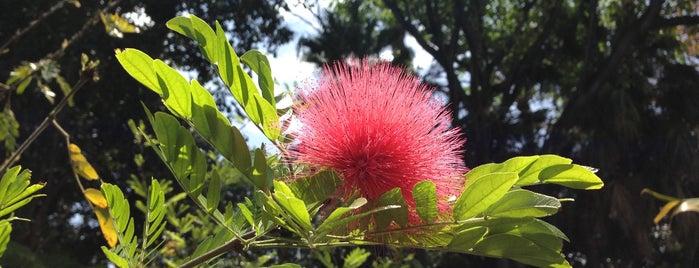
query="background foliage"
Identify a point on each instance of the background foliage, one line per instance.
(612, 84)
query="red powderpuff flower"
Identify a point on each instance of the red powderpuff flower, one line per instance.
(379, 128)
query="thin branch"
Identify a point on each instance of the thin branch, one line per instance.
(52, 115)
(65, 134)
(44, 124)
(32, 24)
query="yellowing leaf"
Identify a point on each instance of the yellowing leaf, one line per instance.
(666, 209)
(96, 197)
(80, 164)
(116, 25)
(687, 205)
(107, 226)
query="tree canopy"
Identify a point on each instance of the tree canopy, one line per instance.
(612, 84)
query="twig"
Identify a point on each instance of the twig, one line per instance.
(58, 53)
(32, 24)
(49, 118)
(65, 134)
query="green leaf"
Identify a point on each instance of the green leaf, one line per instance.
(515, 164)
(543, 169)
(140, 66)
(176, 90)
(356, 258)
(542, 233)
(292, 206)
(15, 191)
(530, 175)
(316, 188)
(247, 214)
(213, 194)
(198, 30)
(520, 203)
(227, 63)
(120, 213)
(263, 113)
(238, 81)
(114, 258)
(572, 176)
(204, 112)
(481, 193)
(222, 236)
(259, 171)
(215, 128)
(8, 178)
(399, 216)
(260, 65)
(425, 196)
(333, 220)
(155, 214)
(5, 230)
(519, 249)
(173, 139)
(467, 238)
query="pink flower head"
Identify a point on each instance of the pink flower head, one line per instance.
(378, 128)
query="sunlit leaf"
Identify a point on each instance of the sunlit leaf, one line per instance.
(356, 258)
(399, 216)
(5, 230)
(176, 90)
(155, 214)
(96, 197)
(140, 66)
(317, 187)
(292, 205)
(260, 65)
(572, 176)
(115, 258)
(333, 220)
(515, 164)
(247, 214)
(115, 25)
(687, 205)
(16, 191)
(198, 30)
(259, 172)
(482, 192)
(336, 218)
(425, 196)
(665, 210)
(80, 164)
(65, 88)
(107, 226)
(22, 76)
(521, 203)
(213, 194)
(530, 175)
(467, 238)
